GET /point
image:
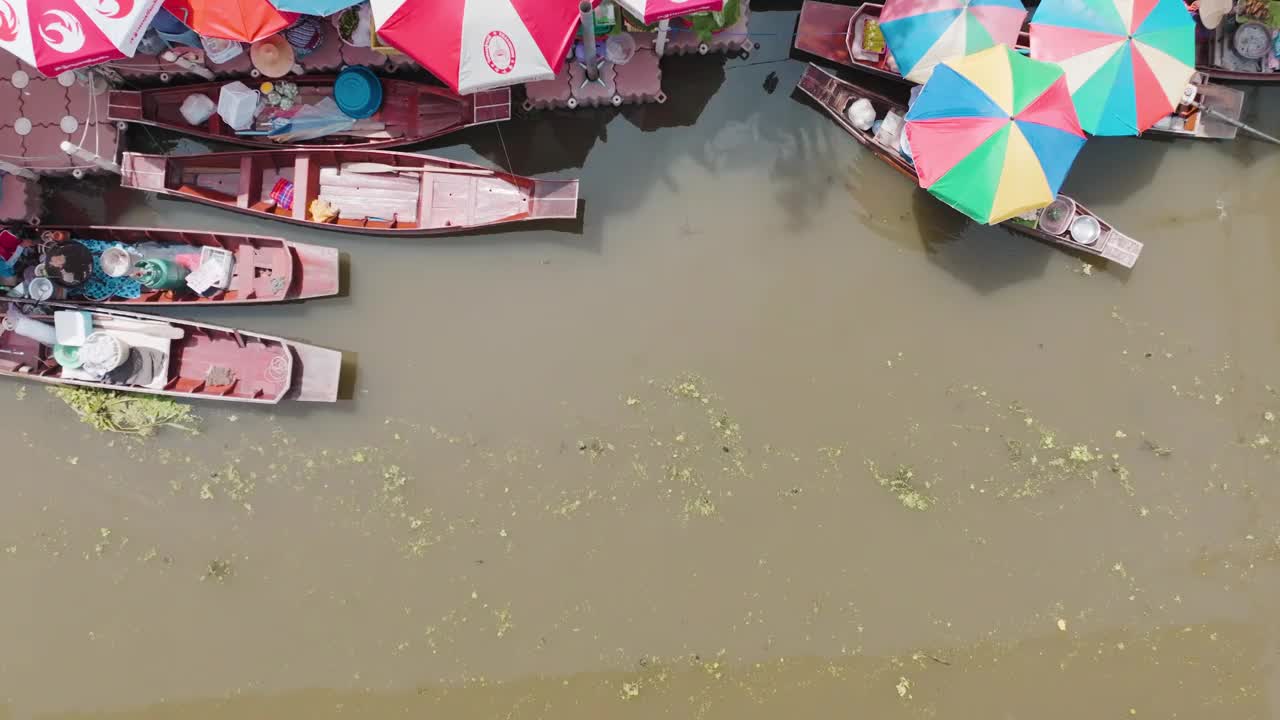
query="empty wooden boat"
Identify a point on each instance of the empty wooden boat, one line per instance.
(835, 96)
(371, 192)
(172, 357)
(835, 33)
(411, 112)
(265, 269)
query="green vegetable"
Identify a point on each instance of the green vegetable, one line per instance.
(111, 411)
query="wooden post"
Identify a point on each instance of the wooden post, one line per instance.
(588, 20)
(660, 43)
(90, 157)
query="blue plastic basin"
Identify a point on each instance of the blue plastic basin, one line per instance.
(358, 92)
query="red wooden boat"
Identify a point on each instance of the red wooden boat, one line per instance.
(831, 32)
(267, 269)
(836, 95)
(411, 112)
(187, 359)
(394, 193)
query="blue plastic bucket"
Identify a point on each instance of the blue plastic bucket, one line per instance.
(358, 92)
(174, 31)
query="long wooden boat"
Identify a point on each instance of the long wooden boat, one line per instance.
(411, 112)
(418, 195)
(185, 359)
(1217, 56)
(831, 32)
(835, 96)
(267, 269)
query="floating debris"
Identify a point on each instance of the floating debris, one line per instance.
(1156, 448)
(904, 688)
(219, 570)
(111, 411)
(594, 447)
(901, 484)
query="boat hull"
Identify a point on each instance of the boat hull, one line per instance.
(283, 271)
(418, 111)
(258, 369)
(834, 95)
(402, 195)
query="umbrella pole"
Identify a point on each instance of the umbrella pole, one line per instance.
(1236, 123)
(590, 61)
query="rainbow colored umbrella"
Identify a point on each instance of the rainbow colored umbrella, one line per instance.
(1127, 61)
(994, 133)
(923, 33)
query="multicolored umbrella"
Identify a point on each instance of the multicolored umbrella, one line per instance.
(239, 20)
(314, 7)
(1127, 61)
(58, 35)
(477, 45)
(923, 33)
(994, 133)
(651, 11)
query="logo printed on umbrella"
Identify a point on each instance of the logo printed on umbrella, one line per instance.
(8, 22)
(114, 9)
(67, 29)
(499, 52)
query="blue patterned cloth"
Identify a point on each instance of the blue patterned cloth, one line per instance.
(101, 286)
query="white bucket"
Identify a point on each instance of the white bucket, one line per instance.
(103, 352)
(237, 105)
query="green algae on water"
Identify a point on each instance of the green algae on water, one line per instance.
(902, 484)
(111, 411)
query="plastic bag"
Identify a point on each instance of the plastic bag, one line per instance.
(197, 108)
(313, 121)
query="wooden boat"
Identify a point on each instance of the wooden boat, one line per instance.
(418, 195)
(835, 96)
(832, 33)
(195, 360)
(411, 112)
(1218, 55)
(267, 269)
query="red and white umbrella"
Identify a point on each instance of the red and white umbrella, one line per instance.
(651, 11)
(58, 35)
(475, 45)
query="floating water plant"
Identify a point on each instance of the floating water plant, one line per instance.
(111, 411)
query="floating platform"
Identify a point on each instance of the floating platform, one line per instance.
(638, 81)
(45, 112)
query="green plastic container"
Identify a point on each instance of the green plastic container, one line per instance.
(67, 356)
(160, 274)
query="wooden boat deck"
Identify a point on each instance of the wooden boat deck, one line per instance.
(411, 112)
(423, 195)
(267, 269)
(835, 96)
(257, 368)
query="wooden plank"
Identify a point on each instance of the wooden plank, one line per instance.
(306, 183)
(250, 187)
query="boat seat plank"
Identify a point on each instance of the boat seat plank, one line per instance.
(242, 276)
(250, 185)
(305, 184)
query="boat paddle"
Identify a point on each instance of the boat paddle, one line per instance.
(1236, 123)
(373, 168)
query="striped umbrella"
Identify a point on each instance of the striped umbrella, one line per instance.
(994, 133)
(475, 45)
(651, 11)
(1127, 61)
(923, 33)
(58, 35)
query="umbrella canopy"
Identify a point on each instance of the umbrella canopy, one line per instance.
(475, 45)
(923, 33)
(314, 7)
(994, 133)
(1127, 61)
(239, 20)
(651, 11)
(58, 35)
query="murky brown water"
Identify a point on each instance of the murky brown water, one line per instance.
(636, 471)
